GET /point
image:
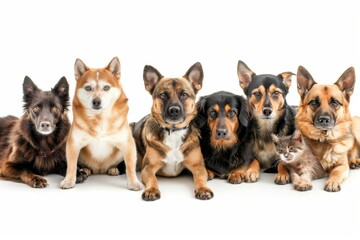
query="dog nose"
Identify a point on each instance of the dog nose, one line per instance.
(221, 132)
(174, 111)
(96, 103)
(324, 120)
(267, 111)
(45, 124)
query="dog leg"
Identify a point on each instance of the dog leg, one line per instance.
(196, 166)
(354, 160)
(282, 177)
(22, 175)
(336, 177)
(148, 176)
(72, 154)
(237, 176)
(252, 174)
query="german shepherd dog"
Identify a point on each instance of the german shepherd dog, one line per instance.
(167, 139)
(100, 137)
(226, 136)
(266, 95)
(324, 120)
(34, 145)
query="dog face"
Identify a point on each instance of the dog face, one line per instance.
(266, 93)
(323, 113)
(224, 114)
(45, 107)
(173, 98)
(98, 89)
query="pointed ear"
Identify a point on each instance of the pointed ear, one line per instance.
(195, 75)
(61, 89)
(201, 118)
(304, 81)
(80, 68)
(245, 75)
(286, 77)
(346, 82)
(275, 138)
(114, 67)
(29, 89)
(297, 136)
(151, 77)
(245, 112)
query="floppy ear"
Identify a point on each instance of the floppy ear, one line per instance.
(201, 118)
(151, 77)
(245, 75)
(29, 89)
(245, 111)
(114, 67)
(286, 77)
(61, 90)
(79, 68)
(346, 82)
(304, 81)
(195, 75)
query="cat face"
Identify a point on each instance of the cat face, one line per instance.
(288, 147)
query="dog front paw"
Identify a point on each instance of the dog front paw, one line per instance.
(282, 179)
(81, 176)
(332, 186)
(136, 186)
(151, 194)
(251, 176)
(235, 178)
(67, 183)
(211, 175)
(37, 182)
(303, 186)
(114, 171)
(203, 193)
(355, 163)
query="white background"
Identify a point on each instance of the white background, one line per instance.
(42, 39)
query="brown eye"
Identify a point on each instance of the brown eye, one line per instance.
(276, 94)
(55, 109)
(106, 88)
(335, 103)
(280, 151)
(212, 114)
(257, 94)
(162, 95)
(184, 96)
(231, 113)
(88, 88)
(36, 109)
(291, 149)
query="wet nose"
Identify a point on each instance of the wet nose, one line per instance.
(45, 124)
(174, 111)
(221, 133)
(267, 111)
(324, 120)
(96, 103)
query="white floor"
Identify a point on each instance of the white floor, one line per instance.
(102, 206)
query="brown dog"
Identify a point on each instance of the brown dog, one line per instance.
(100, 137)
(324, 120)
(167, 140)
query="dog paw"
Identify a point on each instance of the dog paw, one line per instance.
(67, 183)
(355, 163)
(332, 186)
(303, 186)
(113, 171)
(251, 176)
(203, 193)
(282, 179)
(151, 194)
(81, 176)
(136, 186)
(235, 178)
(37, 182)
(211, 175)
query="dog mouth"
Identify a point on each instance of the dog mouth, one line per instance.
(174, 121)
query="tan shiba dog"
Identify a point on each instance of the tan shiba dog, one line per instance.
(326, 125)
(100, 137)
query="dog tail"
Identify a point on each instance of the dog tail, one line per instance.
(6, 125)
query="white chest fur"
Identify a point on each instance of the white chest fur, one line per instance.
(174, 157)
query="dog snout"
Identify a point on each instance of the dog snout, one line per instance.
(221, 133)
(96, 103)
(45, 125)
(324, 121)
(174, 111)
(267, 111)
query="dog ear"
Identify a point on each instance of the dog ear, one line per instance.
(201, 118)
(151, 77)
(195, 75)
(245, 75)
(286, 77)
(29, 89)
(80, 68)
(61, 89)
(346, 82)
(245, 111)
(114, 67)
(304, 81)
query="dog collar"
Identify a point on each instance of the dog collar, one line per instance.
(173, 128)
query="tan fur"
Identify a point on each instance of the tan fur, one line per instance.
(330, 146)
(107, 127)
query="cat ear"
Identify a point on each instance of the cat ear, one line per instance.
(275, 138)
(297, 136)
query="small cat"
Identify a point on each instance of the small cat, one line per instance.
(302, 164)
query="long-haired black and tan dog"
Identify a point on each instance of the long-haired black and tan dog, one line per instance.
(226, 136)
(34, 145)
(266, 94)
(167, 140)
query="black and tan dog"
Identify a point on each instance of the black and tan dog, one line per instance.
(266, 94)
(34, 145)
(226, 136)
(326, 125)
(167, 140)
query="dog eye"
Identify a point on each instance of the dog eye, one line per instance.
(212, 114)
(257, 94)
(184, 96)
(314, 103)
(335, 103)
(88, 88)
(162, 95)
(276, 94)
(55, 109)
(36, 109)
(231, 113)
(106, 88)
